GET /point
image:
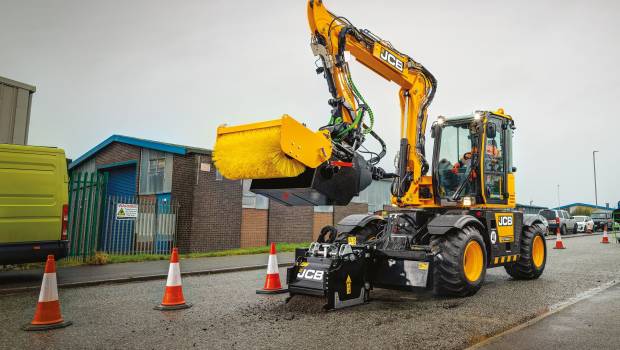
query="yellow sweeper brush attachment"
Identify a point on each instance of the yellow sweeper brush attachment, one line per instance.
(272, 149)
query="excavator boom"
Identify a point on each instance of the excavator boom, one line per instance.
(332, 35)
(328, 167)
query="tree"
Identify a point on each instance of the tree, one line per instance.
(582, 211)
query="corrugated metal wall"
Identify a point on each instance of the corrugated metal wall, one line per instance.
(122, 181)
(14, 111)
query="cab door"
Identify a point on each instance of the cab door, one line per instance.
(495, 161)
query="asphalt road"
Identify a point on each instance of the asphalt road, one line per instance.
(593, 323)
(228, 314)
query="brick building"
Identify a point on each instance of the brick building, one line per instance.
(214, 213)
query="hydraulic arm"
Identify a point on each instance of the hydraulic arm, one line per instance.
(333, 35)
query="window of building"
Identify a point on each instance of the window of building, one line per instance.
(323, 209)
(155, 172)
(218, 175)
(252, 200)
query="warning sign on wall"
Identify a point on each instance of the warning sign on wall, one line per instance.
(126, 211)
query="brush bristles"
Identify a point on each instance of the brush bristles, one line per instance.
(254, 154)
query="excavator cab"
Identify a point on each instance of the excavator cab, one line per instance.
(472, 163)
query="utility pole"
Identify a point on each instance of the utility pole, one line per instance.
(594, 164)
(558, 195)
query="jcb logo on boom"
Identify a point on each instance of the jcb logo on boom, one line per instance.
(392, 60)
(504, 221)
(311, 274)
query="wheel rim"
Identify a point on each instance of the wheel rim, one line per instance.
(538, 251)
(473, 261)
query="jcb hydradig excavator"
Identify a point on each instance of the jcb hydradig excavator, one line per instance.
(452, 221)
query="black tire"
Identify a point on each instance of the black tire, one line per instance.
(369, 231)
(563, 230)
(524, 268)
(575, 229)
(448, 274)
(327, 235)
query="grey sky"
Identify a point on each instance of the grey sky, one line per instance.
(173, 71)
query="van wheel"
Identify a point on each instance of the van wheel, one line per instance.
(460, 263)
(531, 263)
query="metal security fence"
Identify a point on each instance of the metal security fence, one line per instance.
(119, 225)
(86, 201)
(138, 225)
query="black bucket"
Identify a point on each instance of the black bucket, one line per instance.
(325, 185)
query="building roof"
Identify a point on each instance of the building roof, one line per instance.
(578, 204)
(530, 206)
(11, 82)
(142, 143)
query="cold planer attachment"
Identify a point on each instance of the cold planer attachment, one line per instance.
(343, 274)
(335, 272)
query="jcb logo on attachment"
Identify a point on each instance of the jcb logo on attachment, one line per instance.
(392, 60)
(309, 274)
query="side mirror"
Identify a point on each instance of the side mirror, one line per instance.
(491, 130)
(514, 169)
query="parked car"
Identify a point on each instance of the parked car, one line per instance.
(589, 224)
(544, 221)
(559, 218)
(33, 203)
(600, 219)
(584, 223)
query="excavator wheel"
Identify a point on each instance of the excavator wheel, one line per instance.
(460, 265)
(531, 263)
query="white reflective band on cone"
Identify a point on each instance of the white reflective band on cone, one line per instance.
(272, 266)
(174, 275)
(49, 288)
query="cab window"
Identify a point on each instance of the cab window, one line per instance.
(455, 156)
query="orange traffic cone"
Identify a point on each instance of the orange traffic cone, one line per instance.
(558, 240)
(605, 236)
(272, 281)
(47, 315)
(173, 294)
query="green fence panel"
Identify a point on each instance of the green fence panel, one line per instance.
(86, 200)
